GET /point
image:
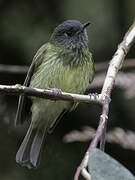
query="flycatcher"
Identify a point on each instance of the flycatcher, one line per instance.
(65, 63)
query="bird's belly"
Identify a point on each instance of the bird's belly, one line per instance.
(44, 111)
(72, 80)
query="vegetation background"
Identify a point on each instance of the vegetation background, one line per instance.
(24, 27)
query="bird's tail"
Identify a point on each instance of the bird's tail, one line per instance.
(29, 151)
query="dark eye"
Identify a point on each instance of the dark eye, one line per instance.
(68, 33)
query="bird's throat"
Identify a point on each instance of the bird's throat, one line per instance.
(74, 56)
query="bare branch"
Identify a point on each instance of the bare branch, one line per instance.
(49, 94)
(117, 60)
(115, 65)
(117, 135)
(121, 78)
(86, 174)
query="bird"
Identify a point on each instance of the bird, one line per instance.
(64, 63)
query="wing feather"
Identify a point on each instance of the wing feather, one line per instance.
(24, 103)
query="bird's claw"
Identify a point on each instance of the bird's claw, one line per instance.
(94, 96)
(56, 91)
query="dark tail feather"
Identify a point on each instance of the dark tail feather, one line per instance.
(29, 151)
(36, 147)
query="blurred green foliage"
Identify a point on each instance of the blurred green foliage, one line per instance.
(24, 27)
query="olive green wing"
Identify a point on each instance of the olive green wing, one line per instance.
(24, 103)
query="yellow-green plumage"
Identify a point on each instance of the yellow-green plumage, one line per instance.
(52, 73)
(64, 63)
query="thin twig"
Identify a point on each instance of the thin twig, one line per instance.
(122, 77)
(117, 60)
(115, 65)
(86, 174)
(125, 138)
(94, 142)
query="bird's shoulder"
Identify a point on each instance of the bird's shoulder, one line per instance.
(41, 53)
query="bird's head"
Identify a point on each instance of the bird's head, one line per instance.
(71, 34)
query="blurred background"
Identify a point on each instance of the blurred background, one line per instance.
(24, 27)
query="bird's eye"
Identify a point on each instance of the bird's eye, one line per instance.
(68, 33)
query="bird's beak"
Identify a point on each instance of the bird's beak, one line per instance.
(85, 25)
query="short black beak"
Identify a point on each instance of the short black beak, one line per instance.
(85, 25)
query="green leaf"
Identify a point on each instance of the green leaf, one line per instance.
(101, 166)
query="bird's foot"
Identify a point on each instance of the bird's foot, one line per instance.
(94, 96)
(56, 91)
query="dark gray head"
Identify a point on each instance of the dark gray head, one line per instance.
(71, 34)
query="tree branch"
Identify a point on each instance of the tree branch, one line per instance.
(49, 94)
(115, 65)
(122, 77)
(117, 135)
